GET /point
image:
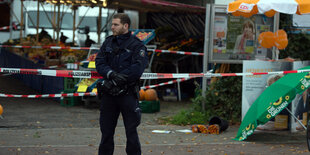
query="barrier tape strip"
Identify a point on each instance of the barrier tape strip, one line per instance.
(49, 47)
(85, 94)
(94, 74)
(90, 74)
(14, 26)
(166, 83)
(49, 95)
(95, 48)
(4, 28)
(175, 52)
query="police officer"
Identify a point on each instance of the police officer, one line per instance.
(121, 62)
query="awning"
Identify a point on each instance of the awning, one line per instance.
(154, 6)
(4, 1)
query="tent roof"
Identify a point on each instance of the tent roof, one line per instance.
(140, 5)
(154, 6)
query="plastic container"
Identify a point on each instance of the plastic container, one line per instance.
(69, 83)
(149, 106)
(146, 38)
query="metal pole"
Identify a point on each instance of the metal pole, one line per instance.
(205, 51)
(296, 119)
(21, 21)
(11, 18)
(38, 16)
(178, 83)
(276, 23)
(99, 24)
(58, 23)
(54, 21)
(48, 18)
(74, 16)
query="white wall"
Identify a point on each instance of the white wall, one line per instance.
(223, 1)
(6, 35)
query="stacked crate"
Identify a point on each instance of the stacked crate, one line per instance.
(149, 106)
(69, 87)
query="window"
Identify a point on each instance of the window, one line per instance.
(66, 23)
(91, 22)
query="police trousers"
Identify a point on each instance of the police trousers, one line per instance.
(110, 108)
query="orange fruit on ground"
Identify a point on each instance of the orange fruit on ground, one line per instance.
(1, 109)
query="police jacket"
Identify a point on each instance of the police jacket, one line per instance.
(124, 54)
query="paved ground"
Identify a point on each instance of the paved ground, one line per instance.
(43, 126)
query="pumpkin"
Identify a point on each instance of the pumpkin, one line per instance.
(150, 95)
(142, 95)
(1, 109)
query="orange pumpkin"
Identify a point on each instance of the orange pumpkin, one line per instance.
(142, 95)
(266, 39)
(281, 39)
(150, 95)
(1, 109)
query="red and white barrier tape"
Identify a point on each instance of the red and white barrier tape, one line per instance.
(49, 47)
(94, 74)
(90, 74)
(57, 73)
(50, 95)
(4, 28)
(166, 83)
(175, 52)
(87, 48)
(85, 94)
(14, 26)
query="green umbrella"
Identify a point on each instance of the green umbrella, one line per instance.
(272, 101)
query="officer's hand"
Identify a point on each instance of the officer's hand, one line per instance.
(115, 91)
(107, 85)
(118, 78)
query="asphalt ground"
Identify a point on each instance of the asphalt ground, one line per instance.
(43, 126)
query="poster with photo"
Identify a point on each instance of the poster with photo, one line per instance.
(241, 38)
(219, 35)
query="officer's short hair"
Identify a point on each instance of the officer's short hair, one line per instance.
(124, 18)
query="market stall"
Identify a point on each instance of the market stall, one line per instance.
(67, 58)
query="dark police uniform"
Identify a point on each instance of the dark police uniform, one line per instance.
(124, 54)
